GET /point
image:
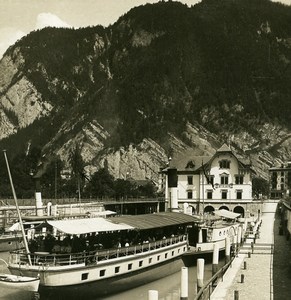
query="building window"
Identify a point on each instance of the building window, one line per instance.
(224, 164)
(224, 179)
(102, 273)
(140, 263)
(224, 194)
(189, 195)
(117, 269)
(239, 194)
(239, 179)
(129, 266)
(190, 180)
(209, 194)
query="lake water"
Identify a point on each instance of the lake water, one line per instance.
(167, 287)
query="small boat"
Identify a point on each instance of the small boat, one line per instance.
(18, 287)
(215, 229)
(10, 241)
(14, 287)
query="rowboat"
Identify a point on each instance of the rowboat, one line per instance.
(14, 287)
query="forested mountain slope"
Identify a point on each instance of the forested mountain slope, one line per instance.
(164, 78)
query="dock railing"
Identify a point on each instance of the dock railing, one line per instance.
(207, 289)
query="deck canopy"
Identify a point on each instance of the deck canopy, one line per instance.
(226, 214)
(157, 220)
(126, 222)
(88, 225)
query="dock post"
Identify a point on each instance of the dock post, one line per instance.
(227, 249)
(215, 258)
(200, 237)
(184, 283)
(153, 295)
(239, 234)
(200, 273)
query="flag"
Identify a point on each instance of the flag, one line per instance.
(207, 177)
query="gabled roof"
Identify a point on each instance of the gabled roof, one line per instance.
(224, 148)
(188, 161)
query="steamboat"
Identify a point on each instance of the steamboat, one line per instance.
(98, 256)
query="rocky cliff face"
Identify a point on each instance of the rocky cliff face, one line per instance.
(21, 103)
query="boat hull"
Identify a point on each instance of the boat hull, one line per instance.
(104, 277)
(18, 290)
(10, 243)
(112, 285)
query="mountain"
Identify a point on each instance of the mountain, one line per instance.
(162, 79)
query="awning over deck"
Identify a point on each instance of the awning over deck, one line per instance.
(157, 220)
(127, 222)
(82, 226)
(226, 214)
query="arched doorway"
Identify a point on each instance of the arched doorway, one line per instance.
(193, 209)
(224, 207)
(208, 209)
(239, 210)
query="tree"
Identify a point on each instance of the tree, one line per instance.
(260, 186)
(101, 184)
(77, 165)
(122, 188)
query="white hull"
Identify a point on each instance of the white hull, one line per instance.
(17, 287)
(116, 274)
(218, 237)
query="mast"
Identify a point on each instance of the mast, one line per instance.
(17, 208)
(203, 171)
(203, 195)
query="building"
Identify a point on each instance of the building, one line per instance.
(280, 181)
(204, 183)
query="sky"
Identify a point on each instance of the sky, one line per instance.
(19, 17)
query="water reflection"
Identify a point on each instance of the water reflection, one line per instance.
(168, 287)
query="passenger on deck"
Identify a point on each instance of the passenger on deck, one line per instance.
(57, 247)
(49, 242)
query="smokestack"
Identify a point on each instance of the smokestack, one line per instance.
(173, 189)
(38, 199)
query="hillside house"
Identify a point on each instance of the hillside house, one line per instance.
(280, 181)
(204, 183)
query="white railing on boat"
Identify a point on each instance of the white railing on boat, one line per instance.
(52, 259)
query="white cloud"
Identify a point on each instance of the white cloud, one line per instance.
(8, 36)
(49, 20)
